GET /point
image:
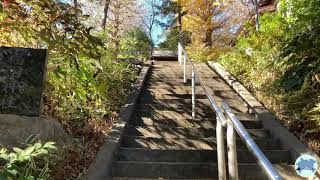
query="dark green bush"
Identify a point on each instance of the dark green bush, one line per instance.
(281, 62)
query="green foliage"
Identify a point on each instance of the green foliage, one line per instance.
(300, 59)
(26, 164)
(84, 79)
(304, 14)
(95, 90)
(315, 113)
(172, 39)
(254, 53)
(50, 24)
(87, 82)
(135, 44)
(281, 61)
(300, 62)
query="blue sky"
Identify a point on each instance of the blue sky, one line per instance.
(159, 33)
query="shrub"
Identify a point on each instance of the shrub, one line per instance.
(315, 113)
(281, 62)
(252, 58)
(26, 164)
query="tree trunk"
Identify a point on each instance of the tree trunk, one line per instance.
(75, 3)
(116, 33)
(151, 41)
(105, 16)
(208, 39)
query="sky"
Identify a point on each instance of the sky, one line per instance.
(158, 35)
(158, 32)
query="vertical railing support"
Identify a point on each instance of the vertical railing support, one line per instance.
(232, 152)
(193, 94)
(256, 3)
(220, 151)
(180, 53)
(184, 68)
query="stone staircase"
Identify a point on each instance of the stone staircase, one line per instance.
(163, 142)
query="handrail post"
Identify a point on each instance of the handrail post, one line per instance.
(180, 53)
(232, 152)
(251, 145)
(184, 68)
(193, 95)
(220, 151)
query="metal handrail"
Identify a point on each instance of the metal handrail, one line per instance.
(232, 123)
(221, 119)
(251, 145)
(215, 106)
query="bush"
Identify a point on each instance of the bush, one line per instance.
(87, 80)
(280, 62)
(26, 164)
(172, 40)
(94, 91)
(135, 44)
(315, 113)
(252, 57)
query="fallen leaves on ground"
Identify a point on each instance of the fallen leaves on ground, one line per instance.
(76, 158)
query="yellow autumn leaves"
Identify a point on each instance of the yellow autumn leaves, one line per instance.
(201, 18)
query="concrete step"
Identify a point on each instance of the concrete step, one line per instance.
(163, 170)
(128, 178)
(158, 114)
(170, 68)
(189, 143)
(146, 95)
(216, 84)
(178, 170)
(175, 102)
(200, 113)
(218, 87)
(222, 94)
(179, 71)
(172, 114)
(196, 156)
(174, 132)
(163, 76)
(164, 62)
(205, 123)
(169, 83)
(182, 90)
(218, 95)
(168, 71)
(174, 79)
(201, 106)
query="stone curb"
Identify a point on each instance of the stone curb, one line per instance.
(270, 122)
(102, 166)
